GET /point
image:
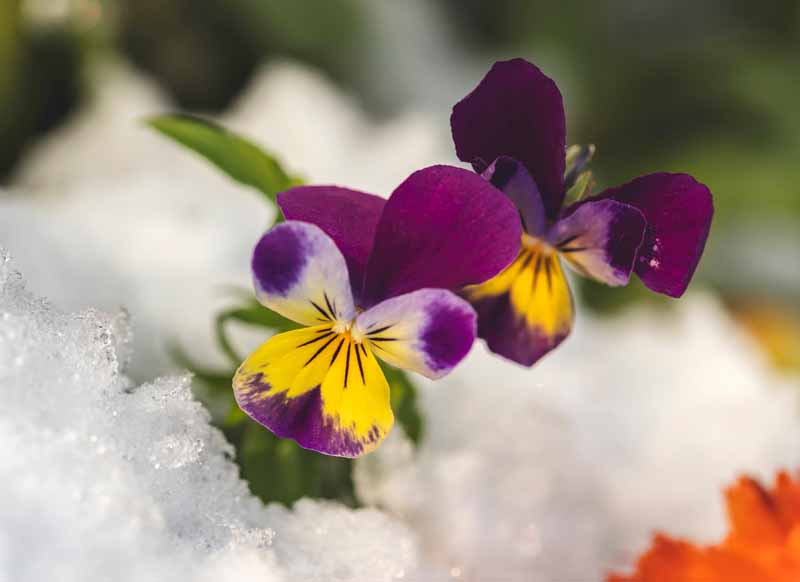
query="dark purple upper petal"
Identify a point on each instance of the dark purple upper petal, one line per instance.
(347, 216)
(510, 176)
(678, 210)
(515, 111)
(443, 227)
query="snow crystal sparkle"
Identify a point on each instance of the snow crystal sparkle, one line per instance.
(512, 129)
(103, 479)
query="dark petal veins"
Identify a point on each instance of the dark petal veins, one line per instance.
(444, 227)
(347, 216)
(516, 111)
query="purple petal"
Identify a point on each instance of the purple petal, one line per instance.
(678, 210)
(600, 240)
(428, 331)
(526, 311)
(515, 111)
(300, 273)
(443, 227)
(510, 176)
(347, 216)
(508, 335)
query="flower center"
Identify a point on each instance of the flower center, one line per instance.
(535, 245)
(350, 329)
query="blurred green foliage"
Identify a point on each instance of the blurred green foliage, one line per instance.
(205, 51)
(39, 80)
(240, 159)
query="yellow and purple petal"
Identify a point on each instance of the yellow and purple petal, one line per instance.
(428, 331)
(514, 180)
(600, 240)
(527, 310)
(318, 387)
(349, 217)
(444, 227)
(678, 210)
(300, 273)
(515, 111)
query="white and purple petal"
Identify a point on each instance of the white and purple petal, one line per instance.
(443, 227)
(600, 240)
(428, 331)
(515, 111)
(300, 273)
(514, 180)
(678, 210)
(349, 217)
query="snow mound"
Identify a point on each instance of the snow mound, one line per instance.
(104, 479)
(564, 471)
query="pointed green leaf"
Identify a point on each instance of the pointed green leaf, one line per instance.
(238, 157)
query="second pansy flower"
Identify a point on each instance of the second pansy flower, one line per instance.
(369, 278)
(512, 129)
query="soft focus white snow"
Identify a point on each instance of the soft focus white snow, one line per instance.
(101, 479)
(564, 471)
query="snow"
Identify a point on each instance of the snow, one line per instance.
(564, 471)
(104, 479)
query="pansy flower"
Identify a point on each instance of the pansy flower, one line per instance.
(369, 279)
(512, 129)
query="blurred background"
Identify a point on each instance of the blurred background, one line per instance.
(707, 87)
(610, 443)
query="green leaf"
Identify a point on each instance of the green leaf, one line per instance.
(404, 402)
(252, 313)
(238, 157)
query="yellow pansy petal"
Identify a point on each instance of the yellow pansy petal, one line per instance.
(319, 388)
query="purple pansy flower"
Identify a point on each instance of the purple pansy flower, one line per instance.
(369, 279)
(512, 129)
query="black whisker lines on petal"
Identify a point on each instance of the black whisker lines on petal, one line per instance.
(573, 249)
(360, 365)
(549, 275)
(384, 339)
(380, 347)
(319, 351)
(326, 333)
(380, 329)
(330, 308)
(322, 311)
(526, 261)
(347, 364)
(536, 268)
(338, 349)
(566, 241)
